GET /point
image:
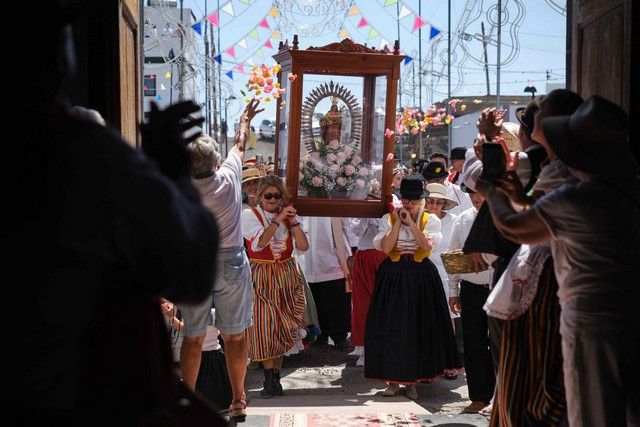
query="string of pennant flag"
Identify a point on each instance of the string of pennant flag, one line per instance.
(257, 42)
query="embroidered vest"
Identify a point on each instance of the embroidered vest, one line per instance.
(420, 254)
(265, 254)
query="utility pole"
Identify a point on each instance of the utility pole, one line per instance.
(420, 76)
(181, 58)
(449, 75)
(214, 128)
(220, 76)
(498, 60)
(207, 81)
(486, 61)
(399, 82)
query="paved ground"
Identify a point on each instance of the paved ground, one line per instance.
(323, 387)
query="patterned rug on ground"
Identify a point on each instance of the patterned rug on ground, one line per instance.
(335, 420)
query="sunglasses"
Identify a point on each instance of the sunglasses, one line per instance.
(411, 202)
(269, 196)
(435, 201)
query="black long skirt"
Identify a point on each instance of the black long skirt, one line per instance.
(213, 379)
(409, 337)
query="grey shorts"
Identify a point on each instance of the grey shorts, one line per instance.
(232, 294)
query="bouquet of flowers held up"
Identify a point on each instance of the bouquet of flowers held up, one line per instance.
(334, 171)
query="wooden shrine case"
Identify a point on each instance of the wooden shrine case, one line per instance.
(331, 122)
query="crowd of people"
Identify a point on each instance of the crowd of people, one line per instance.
(544, 323)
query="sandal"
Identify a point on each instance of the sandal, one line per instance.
(450, 374)
(238, 410)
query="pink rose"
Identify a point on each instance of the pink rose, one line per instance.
(356, 160)
(332, 157)
(348, 151)
(349, 170)
(341, 157)
(334, 143)
(360, 183)
(364, 172)
(342, 181)
(334, 169)
(314, 155)
(316, 181)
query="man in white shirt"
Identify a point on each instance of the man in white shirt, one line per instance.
(467, 295)
(221, 192)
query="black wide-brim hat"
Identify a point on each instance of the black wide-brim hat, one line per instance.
(434, 170)
(412, 188)
(595, 130)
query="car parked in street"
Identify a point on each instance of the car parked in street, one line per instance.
(267, 129)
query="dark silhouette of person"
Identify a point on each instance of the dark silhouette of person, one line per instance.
(95, 233)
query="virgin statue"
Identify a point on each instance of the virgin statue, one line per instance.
(331, 123)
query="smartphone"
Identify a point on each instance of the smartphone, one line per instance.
(493, 162)
(259, 160)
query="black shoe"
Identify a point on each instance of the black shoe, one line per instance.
(269, 387)
(276, 375)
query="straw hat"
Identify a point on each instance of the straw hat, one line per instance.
(439, 191)
(510, 135)
(250, 174)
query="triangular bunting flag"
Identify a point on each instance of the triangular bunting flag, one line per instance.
(354, 11)
(229, 74)
(264, 24)
(268, 44)
(407, 59)
(218, 59)
(228, 8)
(213, 18)
(167, 75)
(390, 2)
(242, 43)
(197, 27)
(162, 87)
(343, 34)
(434, 32)
(159, 98)
(404, 12)
(254, 34)
(274, 12)
(250, 62)
(363, 23)
(383, 43)
(276, 35)
(372, 33)
(259, 53)
(231, 52)
(245, 1)
(240, 68)
(418, 23)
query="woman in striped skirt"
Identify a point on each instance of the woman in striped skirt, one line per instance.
(270, 231)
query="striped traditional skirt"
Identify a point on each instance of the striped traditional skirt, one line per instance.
(530, 387)
(278, 308)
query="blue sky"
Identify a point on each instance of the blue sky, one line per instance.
(533, 40)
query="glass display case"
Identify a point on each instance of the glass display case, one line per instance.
(331, 146)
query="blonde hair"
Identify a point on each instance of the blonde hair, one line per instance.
(271, 181)
(205, 156)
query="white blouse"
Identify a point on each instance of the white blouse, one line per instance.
(252, 229)
(406, 241)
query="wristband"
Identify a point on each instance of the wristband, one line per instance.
(275, 222)
(295, 224)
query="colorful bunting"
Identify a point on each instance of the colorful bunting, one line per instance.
(343, 34)
(240, 68)
(250, 61)
(259, 53)
(363, 23)
(274, 12)
(213, 19)
(231, 52)
(264, 24)
(418, 23)
(404, 12)
(354, 11)
(434, 32)
(159, 98)
(276, 35)
(407, 59)
(254, 34)
(229, 74)
(218, 59)
(242, 43)
(162, 87)
(390, 2)
(383, 43)
(167, 75)
(372, 33)
(197, 27)
(268, 44)
(228, 8)
(248, 2)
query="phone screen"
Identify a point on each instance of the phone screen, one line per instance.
(259, 159)
(493, 162)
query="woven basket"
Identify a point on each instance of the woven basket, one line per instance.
(456, 262)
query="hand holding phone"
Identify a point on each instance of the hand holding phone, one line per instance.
(493, 162)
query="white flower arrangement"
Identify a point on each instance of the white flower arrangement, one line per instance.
(333, 171)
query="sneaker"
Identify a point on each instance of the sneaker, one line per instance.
(360, 361)
(358, 351)
(411, 392)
